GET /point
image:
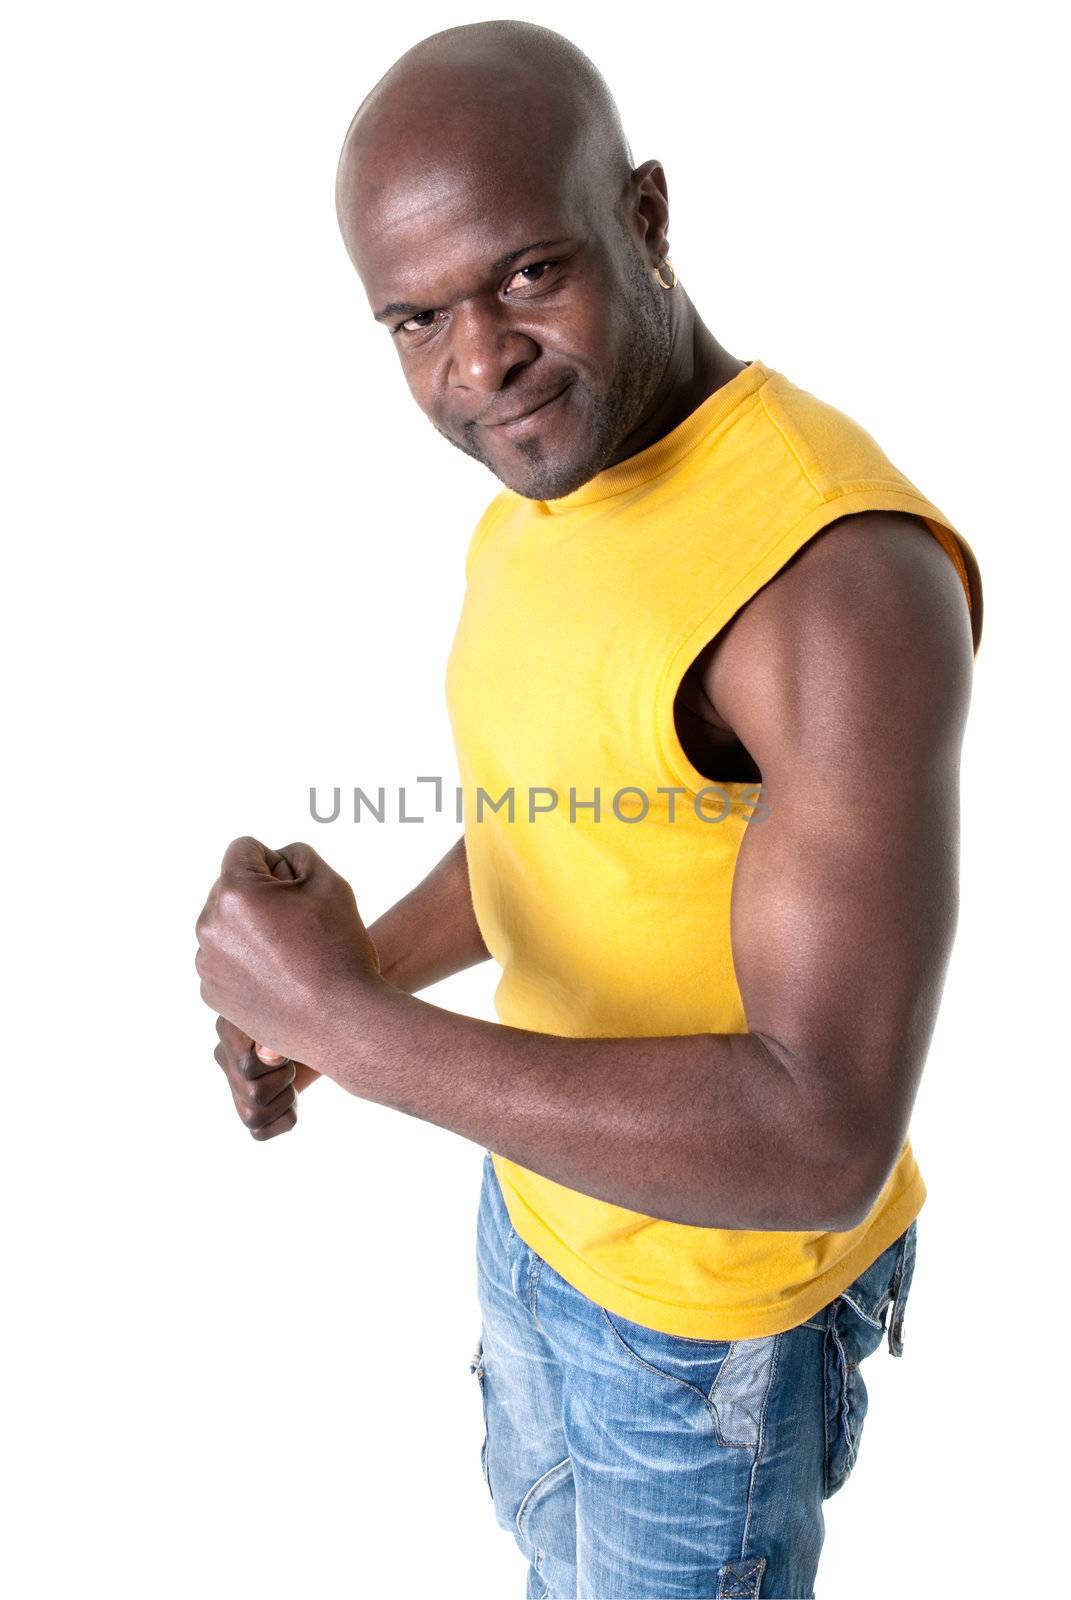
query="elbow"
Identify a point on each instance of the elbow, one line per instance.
(848, 1216)
(830, 1155)
(836, 1207)
(839, 1181)
(856, 1187)
(830, 1201)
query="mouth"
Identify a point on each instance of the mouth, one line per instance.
(528, 420)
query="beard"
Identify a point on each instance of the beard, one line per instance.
(610, 416)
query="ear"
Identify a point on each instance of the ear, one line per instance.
(648, 210)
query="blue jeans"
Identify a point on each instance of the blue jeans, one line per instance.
(630, 1464)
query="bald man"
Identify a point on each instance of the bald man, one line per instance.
(709, 763)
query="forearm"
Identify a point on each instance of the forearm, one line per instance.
(432, 932)
(428, 935)
(705, 1129)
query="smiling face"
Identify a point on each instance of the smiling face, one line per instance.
(508, 266)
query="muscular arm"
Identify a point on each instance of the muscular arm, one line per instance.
(848, 678)
(845, 905)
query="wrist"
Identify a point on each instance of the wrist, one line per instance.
(349, 1030)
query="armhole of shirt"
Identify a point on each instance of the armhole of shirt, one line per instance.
(872, 491)
(880, 497)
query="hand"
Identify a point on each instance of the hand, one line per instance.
(281, 945)
(262, 1083)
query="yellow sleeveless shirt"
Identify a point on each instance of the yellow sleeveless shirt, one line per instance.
(579, 620)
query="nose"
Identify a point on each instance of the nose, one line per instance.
(484, 348)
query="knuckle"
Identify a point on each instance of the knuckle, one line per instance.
(281, 1124)
(231, 898)
(246, 1066)
(229, 1032)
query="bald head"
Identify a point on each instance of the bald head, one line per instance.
(487, 198)
(488, 95)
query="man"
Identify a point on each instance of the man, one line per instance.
(710, 765)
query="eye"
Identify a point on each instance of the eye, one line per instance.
(541, 267)
(407, 326)
(415, 324)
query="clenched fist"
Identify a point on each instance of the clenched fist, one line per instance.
(281, 946)
(263, 1085)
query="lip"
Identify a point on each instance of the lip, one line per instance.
(526, 419)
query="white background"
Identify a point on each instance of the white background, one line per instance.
(242, 1370)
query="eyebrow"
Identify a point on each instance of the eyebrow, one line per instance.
(397, 308)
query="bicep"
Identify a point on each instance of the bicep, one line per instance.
(845, 896)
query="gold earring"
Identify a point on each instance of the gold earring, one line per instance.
(658, 273)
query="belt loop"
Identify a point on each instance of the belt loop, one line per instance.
(905, 1268)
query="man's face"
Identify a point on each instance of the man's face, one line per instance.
(508, 293)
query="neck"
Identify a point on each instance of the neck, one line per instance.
(697, 366)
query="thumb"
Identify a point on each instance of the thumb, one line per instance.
(297, 861)
(270, 1058)
(280, 866)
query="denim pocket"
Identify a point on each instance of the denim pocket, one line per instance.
(693, 1362)
(476, 1366)
(730, 1376)
(858, 1320)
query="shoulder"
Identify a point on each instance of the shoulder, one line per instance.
(495, 509)
(870, 611)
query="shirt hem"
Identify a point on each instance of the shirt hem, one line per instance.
(697, 1322)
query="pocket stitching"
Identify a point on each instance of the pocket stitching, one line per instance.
(525, 1508)
(772, 1344)
(670, 1377)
